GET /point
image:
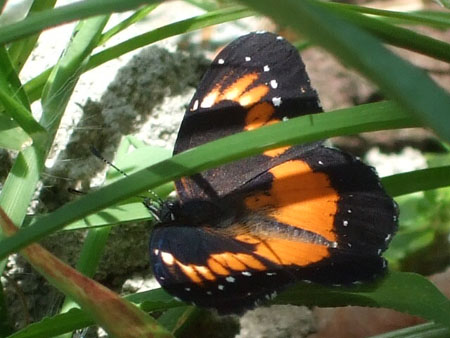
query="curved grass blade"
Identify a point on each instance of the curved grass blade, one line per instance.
(34, 87)
(434, 19)
(405, 292)
(410, 86)
(19, 51)
(386, 292)
(117, 316)
(135, 17)
(397, 36)
(76, 11)
(74, 319)
(22, 116)
(21, 182)
(10, 81)
(418, 180)
(308, 128)
(12, 137)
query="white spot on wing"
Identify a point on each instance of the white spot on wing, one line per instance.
(167, 258)
(209, 100)
(349, 211)
(280, 37)
(156, 251)
(221, 61)
(345, 223)
(273, 84)
(246, 273)
(320, 162)
(220, 287)
(276, 101)
(248, 58)
(230, 279)
(209, 293)
(266, 68)
(195, 106)
(187, 289)
(271, 273)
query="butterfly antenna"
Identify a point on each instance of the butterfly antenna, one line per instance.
(99, 156)
(153, 203)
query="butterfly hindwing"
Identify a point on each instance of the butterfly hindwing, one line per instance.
(320, 217)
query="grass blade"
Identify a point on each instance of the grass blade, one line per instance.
(34, 86)
(12, 137)
(135, 17)
(19, 51)
(434, 19)
(117, 316)
(405, 292)
(64, 14)
(418, 180)
(303, 129)
(397, 36)
(400, 80)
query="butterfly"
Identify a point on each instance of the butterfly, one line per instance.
(243, 231)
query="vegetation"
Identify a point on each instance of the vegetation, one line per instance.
(354, 34)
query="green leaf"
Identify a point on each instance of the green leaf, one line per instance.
(405, 292)
(23, 117)
(308, 128)
(21, 182)
(53, 17)
(135, 17)
(397, 36)
(437, 19)
(418, 180)
(10, 81)
(19, 51)
(411, 87)
(12, 137)
(74, 319)
(34, 86)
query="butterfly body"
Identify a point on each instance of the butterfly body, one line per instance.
(243, 231)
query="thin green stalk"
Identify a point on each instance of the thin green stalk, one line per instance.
(19, 51)
(64, 14)
(303, 129)
(410, 86)
(25, 173)
(34, 86)
(397, 36)
(135, 17)
(412, 17)
(418, 180)
(22, 116)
